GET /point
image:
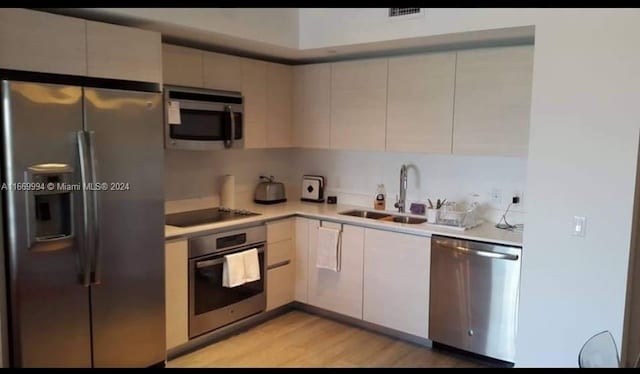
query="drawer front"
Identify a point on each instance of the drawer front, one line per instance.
(279, 252)
(279, 230)
(280, 286)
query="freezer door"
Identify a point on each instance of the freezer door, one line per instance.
(127, 297)
(49, 306)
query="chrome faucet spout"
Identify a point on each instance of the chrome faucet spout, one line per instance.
(402, 201)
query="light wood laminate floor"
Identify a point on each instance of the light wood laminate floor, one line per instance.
(298, 339)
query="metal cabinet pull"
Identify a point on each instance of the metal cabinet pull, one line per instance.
(279, 264)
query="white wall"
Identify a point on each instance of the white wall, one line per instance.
(582, 157)
(278, 26)
(330, 27)
(354, 175)
(583, 148)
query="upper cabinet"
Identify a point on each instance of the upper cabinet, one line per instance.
(182, 66)
(311, 105)
(493, 101)
(467, 102)
(420, 103)
(222, 72)
(254, 91)
(279, 98)
(49, 43)
(359, 104)
(39, 41)
(123, 53)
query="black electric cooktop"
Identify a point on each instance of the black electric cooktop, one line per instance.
(204, 216)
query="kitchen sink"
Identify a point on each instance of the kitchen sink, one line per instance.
(384, 216)
(410, 220)
(365, 214)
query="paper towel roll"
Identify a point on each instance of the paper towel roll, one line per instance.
(228, 191)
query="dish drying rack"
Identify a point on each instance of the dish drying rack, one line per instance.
(460, 216)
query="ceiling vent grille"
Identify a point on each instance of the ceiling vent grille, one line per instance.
(400, 12)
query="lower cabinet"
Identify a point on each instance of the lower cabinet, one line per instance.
(176, 293)
(280, 285)
(396, 281)
(340, 291)
(301, 293)
(280, 263)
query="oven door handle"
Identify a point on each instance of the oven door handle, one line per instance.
(205, 264)
(217, 260)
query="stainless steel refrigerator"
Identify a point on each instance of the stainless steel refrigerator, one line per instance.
(85, 260)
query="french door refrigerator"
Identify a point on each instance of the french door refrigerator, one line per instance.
(84, 225)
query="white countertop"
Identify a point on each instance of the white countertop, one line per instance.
(484, 232)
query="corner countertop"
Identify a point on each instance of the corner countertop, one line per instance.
(485, 232)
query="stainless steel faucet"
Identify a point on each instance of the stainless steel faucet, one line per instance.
(402, 202)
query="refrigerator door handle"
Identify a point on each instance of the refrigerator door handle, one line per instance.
(85, 260)
(95, 253)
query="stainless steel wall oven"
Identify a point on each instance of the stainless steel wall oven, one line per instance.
(211, 305)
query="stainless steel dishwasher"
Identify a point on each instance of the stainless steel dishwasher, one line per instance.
(474, 296)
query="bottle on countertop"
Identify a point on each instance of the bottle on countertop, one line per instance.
(379, 202)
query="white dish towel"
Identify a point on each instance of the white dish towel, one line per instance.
(328, 249)
(233, 273)
(251, 265)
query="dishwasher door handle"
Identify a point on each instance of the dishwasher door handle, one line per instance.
(475, 252)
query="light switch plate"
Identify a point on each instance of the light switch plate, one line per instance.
(579, 225)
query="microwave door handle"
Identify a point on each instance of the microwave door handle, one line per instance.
(228, 143)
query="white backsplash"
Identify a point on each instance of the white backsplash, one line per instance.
(354, 175)
(194, 178)
(198, 174)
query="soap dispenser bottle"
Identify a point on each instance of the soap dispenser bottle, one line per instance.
(379, 201)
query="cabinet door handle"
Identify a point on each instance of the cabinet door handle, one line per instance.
(279, 264)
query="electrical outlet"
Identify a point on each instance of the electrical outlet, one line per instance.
(496, 196)
(519, 195)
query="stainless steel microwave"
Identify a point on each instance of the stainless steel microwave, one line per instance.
(201, 119)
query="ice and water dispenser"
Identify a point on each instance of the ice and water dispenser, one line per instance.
(50, 207)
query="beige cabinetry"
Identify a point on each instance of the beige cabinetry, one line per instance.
(359, 104)
(121, 52)
(280, 263)
(493, 101)
(43, 42)
(301, 293)
(473, 102)
(312, 106)
(222, 72)
(396, 281)
(182, 66)
(279, 100)
(340, 291)
(176, 293)
(49, 43)
(254, 90)
(420, 103)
